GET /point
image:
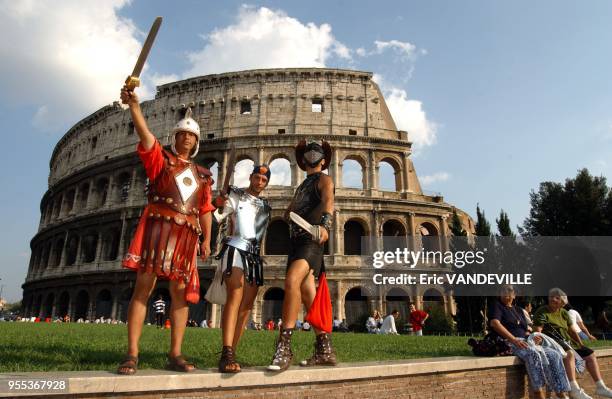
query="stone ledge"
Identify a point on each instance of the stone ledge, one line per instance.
(104, 382)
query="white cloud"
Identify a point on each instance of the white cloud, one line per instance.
(64, 57)
(408, 115)
(352, 174)
(436, 177)
(404, 49)
(265, 38)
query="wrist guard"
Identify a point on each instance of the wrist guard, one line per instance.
(326, 221)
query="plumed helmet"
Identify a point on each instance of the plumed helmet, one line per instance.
(187, 124)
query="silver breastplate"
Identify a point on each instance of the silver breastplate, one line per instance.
(250, 218)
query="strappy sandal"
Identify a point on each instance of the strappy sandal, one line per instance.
(227, 362)
(178, 363)
(128, 366)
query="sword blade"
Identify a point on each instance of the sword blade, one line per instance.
(229, 169)
(146, 47)
(309, 228)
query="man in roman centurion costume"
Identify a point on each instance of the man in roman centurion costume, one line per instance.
(313, 203)
(167, 237)
(248, 216)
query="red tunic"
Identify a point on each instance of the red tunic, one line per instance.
(166, 239)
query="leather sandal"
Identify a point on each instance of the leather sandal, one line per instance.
(227, 362)
(178, 363)
(128, 366)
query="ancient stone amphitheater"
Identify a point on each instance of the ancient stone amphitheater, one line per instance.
(96, 189)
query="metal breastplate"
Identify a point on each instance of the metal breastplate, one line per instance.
(178, 186)
(250, 218)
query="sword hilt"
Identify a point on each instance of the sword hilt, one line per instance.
(132, 82)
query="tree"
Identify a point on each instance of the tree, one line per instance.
(503, 225)
(483, 227)
(580, 207)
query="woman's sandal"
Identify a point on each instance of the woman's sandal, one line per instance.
(128, 366)
(178, 363)
(227, 362)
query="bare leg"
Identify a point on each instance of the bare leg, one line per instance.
(137, 310)
(179, 312)
(248, 298)
(293, 281)
(593, 367)
(308, 291)
(570, 367)
(234, 286)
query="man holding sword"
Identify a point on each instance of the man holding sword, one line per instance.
(311, 220)
(178, 212)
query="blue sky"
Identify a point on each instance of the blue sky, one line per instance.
(498, 96)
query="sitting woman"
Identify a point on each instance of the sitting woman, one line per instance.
(508, 321)
(555, 321)
(373, 323)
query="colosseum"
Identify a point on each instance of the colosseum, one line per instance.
(96, 190)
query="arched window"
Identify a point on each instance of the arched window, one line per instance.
(356, 307)
(280, 170)
(81, 305)
(389, 177)
(394, 235)
(352, 174)
(242, 171)
(273, 304)
(353, 231)
(104, 304)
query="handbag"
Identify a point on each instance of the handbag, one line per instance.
(320, 313)
(216, 293)
(491, 345)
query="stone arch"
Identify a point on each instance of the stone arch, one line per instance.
(429, 236)
(82, 196)
(69, 200)
(277, 238)
(104, 304)
(101, 190)
(353, 232)
(110, 242)
(394, 234)
(281, 171)
(354, 168)
(47, 310)
(398, 299)
(124, 303)
(432, 298)
(57, 207)
(272, 304)
(63, 304)
(58, 248)
(356, 307)
(89, 247)
(37, 306)
(213, 165)
(81, 306)
(123, 186)
(72, 249)
(389, 174)
(242, 171)
(46, 254)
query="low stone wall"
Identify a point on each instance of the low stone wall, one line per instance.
(435, 378)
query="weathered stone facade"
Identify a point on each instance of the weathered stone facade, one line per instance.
(96, 188)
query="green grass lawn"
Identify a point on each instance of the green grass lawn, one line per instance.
(51, 347)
